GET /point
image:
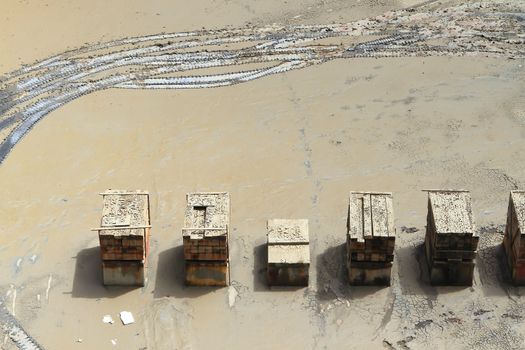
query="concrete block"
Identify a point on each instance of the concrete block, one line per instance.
(451, 212)
(371, 215)
(205, 239)
(370, 237)
(451, 239)
(288, 252)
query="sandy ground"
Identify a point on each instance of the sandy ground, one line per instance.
(291, 146)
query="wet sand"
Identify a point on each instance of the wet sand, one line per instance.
(291, 145)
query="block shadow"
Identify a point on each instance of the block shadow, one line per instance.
(170, 276)
(87, 280)
(332, 280)
(418, 270)
(332, 277)
(260, 268)
(410, 265)
(494, 272)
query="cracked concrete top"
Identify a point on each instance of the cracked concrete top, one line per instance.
(126, 213)
(371, 214)
(452, 211)
(288, 231)
(207, 214)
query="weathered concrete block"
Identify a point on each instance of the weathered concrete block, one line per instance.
(123, 273)
(205, 238)
(288, 252)
(370, 237)
(451, 239)
(514, 238)
(124, 237)
(450, 220)
(371, 221)
(202, 273)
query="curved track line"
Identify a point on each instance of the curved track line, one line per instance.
(30, 93)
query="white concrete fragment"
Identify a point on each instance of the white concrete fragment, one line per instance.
(108, 319)
(48, 286)
(126, 317)
(14, 303)
(232, 296)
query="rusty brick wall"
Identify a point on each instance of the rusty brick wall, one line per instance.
(123, 247)
(207, 248)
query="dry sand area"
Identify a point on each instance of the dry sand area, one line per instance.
(287, 145)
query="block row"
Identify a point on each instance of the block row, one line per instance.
(451, 239)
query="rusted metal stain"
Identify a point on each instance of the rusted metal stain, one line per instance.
(207, 273)
(288, 274)
(123, 273)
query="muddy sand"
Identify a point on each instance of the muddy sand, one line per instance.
(287, 145)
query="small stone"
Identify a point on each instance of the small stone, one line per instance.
(126, 317)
